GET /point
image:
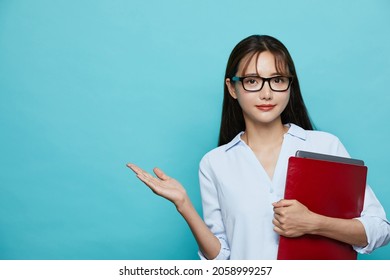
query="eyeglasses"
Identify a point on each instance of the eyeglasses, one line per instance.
(256, 83)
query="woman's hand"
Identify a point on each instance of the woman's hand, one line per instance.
(163, 185)
(292, 218)
(172, 190)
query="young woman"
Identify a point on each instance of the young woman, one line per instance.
(264, 122)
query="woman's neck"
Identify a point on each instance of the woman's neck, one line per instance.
(266, 136)
(266, 142)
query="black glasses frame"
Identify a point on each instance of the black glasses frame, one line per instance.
(236, 79)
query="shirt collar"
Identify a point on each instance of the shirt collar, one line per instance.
(297, 131)
(236, 140)
(294, 130)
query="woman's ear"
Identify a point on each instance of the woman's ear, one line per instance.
(231, 88)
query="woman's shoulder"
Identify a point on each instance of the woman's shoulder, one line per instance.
(321, 135)
(312, 135)
(320, 141)
(215, 153)
(220, 152)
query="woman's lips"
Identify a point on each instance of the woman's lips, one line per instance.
(265, 107)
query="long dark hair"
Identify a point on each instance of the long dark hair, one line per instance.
(232, 117)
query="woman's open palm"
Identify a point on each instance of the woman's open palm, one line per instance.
(161, 185)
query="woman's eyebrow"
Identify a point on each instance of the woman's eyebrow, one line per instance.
(251, 74)
(257, 75)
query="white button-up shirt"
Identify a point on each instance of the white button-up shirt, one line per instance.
(237, 195)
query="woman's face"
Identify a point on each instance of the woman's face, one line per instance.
(264, 106)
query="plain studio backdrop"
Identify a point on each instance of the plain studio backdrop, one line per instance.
(87, 86)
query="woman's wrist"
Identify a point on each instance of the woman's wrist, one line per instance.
(315, 223)
(183, 205)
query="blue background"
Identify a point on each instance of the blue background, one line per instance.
(87, 86)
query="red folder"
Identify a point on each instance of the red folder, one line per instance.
(328, 188)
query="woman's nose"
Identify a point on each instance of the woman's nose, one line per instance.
(266, 92)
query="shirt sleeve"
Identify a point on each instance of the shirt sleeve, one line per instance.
(373, 216)
(377, 227)
(211, 209)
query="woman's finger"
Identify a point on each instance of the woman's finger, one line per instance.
(134, 168)
(140, 172)
(283, 203)
(160, 174)
(148, 180)
(279, 211)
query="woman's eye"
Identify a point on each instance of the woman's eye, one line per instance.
(251, 81)
(279, 80)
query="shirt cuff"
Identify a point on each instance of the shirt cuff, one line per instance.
(375, 237)
(224, 253)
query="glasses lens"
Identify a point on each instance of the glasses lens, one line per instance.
(279, 83)
(252, 83)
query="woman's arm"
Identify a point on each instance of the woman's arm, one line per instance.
(293, 219)
(172, 190)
